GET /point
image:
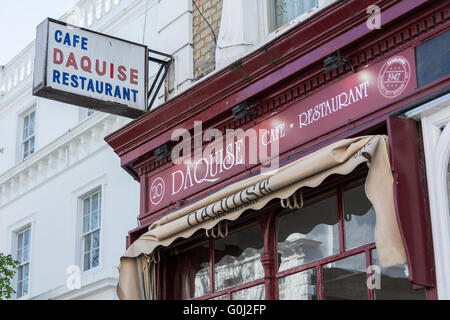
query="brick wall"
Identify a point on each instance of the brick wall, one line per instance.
(204, 46)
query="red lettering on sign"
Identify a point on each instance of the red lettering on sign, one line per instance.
(133, 76)
(71, 61)
(97, 68)
(57, 56)
(84, 66)
(122, 76)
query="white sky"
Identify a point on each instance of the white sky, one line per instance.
(18, 21)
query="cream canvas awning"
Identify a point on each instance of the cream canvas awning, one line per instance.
(341, 157)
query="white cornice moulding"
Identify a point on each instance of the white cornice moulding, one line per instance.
(57, 156)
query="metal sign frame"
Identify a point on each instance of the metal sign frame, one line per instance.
(40, 81)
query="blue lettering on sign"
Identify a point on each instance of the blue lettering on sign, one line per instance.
(65, 79)
(97, 83)
(90, 85)
(67, 39)
(58, 35)
(56, 76)
(108, 88)
(117, 92)
(84, 43)
(71, 40)
(83, 79)
(76, 81)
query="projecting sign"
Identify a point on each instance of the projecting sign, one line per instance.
(90, 69)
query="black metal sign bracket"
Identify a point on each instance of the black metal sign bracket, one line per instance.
(158, 81)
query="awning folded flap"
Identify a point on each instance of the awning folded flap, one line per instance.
(341, 157)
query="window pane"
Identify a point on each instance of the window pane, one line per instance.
(25, 128)
(346, 279)
(25, 254)
(20, 273)
(87, 261)
(253, 293)
(31, 124)
(19, 241)
(19, 289)
(86, 225)
(87, 207)
(96, 239)
(25, 287)
(31, 145)
(237, 258)
(394, 283)
(26, 271)
(95, 257)
(94, 220)
(308, 234)
(298, 286)
(20, 255)
(359, 218)
(87, 243)
(26, 148)
(283, 11)
(94, 202)
(26, 236)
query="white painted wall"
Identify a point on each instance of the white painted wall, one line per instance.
(71, 157)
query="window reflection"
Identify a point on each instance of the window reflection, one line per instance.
(359, 218)
(298, 286)
(308, 234)
(190, 273)
(346, 279)
(253, 293)
(283, 11)
(237, 258)
(394, 283)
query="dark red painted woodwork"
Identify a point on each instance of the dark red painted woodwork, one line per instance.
(354, 97)
(267, 222)
(293, 51)
(409, 198)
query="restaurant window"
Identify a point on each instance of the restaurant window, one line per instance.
(28, 134)
(218, 268)
(331, 250)
(23, 256)
(91, 230)
(325, 249)
(280, 12)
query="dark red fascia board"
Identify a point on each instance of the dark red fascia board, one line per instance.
(330, 30)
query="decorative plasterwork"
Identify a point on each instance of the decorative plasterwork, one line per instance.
(435, 119)
(64, 152)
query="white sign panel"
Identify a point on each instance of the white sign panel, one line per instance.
(89, 69)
